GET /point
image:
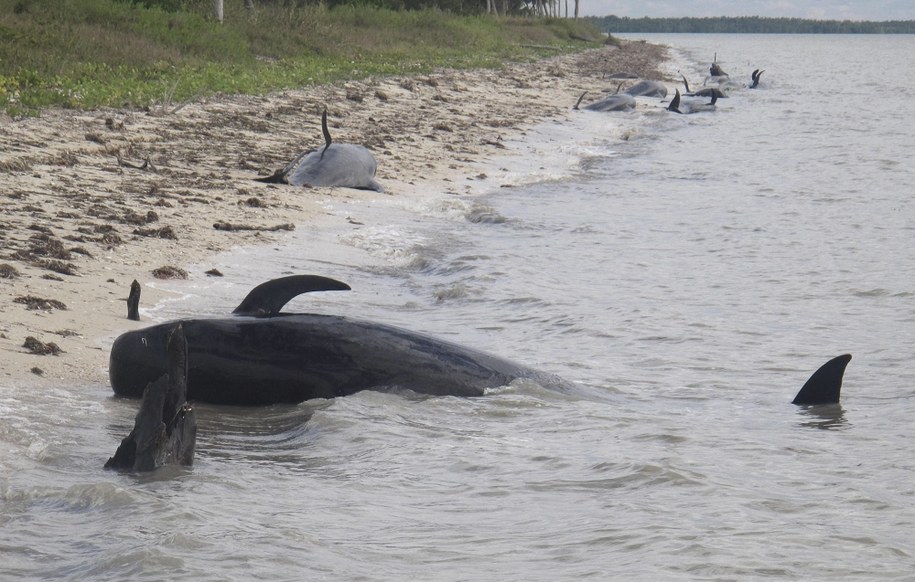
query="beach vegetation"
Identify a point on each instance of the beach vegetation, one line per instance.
(134, 54)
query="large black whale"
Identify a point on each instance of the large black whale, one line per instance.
(260, 356)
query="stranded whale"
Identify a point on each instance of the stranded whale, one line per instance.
(616, 102)
(678, 105)
(260, 356)
(336, 164)
(645, 88)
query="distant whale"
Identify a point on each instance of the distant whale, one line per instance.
(336, 164)
(261, 356)
(715, 69)
(704, 92)
(825, 385)
(646, 88)
(617, 102)
(678, 105)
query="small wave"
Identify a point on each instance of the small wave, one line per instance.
(482, 214)
(74, 498)
(451, 292)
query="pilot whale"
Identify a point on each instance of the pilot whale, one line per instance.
(678, 105)
(260, 356)
(615, 102)
(646, 88)
(336, 164)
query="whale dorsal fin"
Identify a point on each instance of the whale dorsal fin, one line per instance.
(577, 103)
(825, 384)
(268, 298)
(675, 103)
(685, 82)
(326, 133)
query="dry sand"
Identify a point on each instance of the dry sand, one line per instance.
(82, 217)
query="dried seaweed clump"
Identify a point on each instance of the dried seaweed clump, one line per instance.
(56, 266)
(39, 348)
(43, 245)
(165, 232)
(232, 227)
(39, 304)
(8, 271)
(168, 272)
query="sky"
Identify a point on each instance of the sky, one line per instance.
(814, 9)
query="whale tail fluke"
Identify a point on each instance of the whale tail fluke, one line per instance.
(825, 384)
(267, 299)
(755, 78)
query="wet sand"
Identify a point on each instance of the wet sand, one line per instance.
(93, 200)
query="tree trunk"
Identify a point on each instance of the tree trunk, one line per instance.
(249, 4)
(576, 9)
(217, 5)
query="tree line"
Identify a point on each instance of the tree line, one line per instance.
(750, 24)
(462, 7)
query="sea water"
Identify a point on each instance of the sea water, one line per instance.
(692, 270)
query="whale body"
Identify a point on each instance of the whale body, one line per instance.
(645, 88)
(336, 164)
(616, 102)
(260, 356)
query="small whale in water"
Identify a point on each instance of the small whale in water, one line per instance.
(678, 105)
(715, 69)
(647, 89)
(704, 92)
(617, 102)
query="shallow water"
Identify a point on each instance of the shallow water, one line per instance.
(691, 270)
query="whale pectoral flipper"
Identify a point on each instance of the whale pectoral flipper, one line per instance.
(268, 298)
(825, 384)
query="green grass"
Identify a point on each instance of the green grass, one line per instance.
(93, 53)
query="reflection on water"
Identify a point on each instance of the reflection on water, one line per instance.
(825, 416)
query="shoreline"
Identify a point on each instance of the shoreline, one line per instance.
(82, 217)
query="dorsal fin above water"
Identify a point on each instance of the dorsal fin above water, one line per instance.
(825, 384)
(675, 103)
(268, 298)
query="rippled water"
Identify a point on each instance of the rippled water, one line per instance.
(692, 271)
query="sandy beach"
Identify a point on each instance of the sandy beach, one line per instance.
(92, 200)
